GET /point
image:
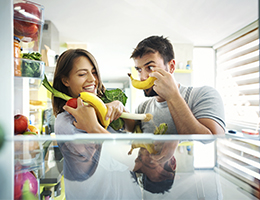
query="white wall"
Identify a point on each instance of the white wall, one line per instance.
(203, 67)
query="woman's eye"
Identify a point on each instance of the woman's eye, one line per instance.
(82, 74)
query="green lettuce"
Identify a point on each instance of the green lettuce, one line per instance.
(112, 95)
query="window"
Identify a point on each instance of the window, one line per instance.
(237, 77)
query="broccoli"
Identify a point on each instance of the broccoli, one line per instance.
(26, 69)
(31, 68)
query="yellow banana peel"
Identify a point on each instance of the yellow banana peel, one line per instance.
(98, 105)
(143, 85)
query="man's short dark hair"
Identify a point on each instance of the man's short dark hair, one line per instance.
(155, 44)
(157, 187)
(154, 187)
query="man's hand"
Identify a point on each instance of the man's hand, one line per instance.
(165, 85)
(165, 149)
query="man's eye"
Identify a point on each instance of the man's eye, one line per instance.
(150, 67)
(138, 69)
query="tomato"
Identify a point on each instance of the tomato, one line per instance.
(20, 124)
(23, 28)
(72, 103)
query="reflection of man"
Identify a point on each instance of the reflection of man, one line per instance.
(155, 177)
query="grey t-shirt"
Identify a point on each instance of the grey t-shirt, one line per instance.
(80, 159)
(204, 102)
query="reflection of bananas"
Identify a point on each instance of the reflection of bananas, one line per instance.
(143, 85)
(160, 130)
(148, 147)
(99, 106)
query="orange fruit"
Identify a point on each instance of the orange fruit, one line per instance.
(33, 129)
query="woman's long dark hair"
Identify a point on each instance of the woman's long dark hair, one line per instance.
(64, 66)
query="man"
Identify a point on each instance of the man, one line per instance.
(201, 113)
(186, 110)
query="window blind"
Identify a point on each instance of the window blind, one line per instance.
(237, 77)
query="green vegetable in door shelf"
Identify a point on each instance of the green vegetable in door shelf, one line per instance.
(32, 66)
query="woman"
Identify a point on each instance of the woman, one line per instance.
(77, 71)
(86, 168)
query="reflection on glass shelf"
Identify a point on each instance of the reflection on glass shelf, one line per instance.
(28, 155)
(129, 136)
(145, 166)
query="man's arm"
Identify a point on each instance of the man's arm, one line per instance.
(185, 121)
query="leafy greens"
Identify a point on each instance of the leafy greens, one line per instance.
(112, 95)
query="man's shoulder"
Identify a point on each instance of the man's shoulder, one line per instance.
(205, 94)
(204, 90)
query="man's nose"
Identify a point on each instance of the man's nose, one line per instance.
(144, 75)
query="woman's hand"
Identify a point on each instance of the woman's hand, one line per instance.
(114, 110)
(86, 118)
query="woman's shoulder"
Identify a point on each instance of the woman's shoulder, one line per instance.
(64, 116)
(63, 122)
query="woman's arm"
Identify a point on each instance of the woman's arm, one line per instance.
(86, 118)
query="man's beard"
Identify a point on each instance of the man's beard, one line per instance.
(150, 92)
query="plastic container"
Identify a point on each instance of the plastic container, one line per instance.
(31, 68)
(28, 24)
(28, 151)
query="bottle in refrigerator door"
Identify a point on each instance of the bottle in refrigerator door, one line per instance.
(17, 54)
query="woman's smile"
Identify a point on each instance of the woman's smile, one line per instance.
(90, 88)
